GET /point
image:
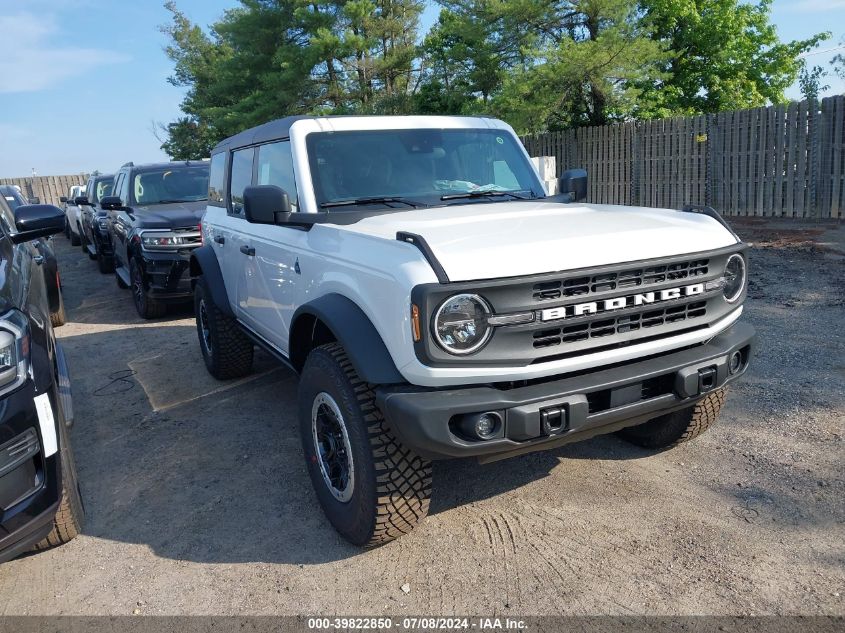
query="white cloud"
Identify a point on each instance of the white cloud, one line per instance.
(36, 54)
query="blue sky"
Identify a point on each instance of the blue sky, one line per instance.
(83, 80)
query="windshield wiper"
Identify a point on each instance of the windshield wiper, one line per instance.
(172, 200)
(484, 194)
(373, 200)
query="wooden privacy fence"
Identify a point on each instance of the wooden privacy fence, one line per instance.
(47, 188)
(784, 160)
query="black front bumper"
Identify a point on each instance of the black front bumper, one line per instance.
(30, 492)
(168, 275)
(556, 411)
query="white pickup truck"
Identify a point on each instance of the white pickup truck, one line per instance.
(437, 303)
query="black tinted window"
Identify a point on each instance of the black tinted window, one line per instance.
(100, 189)
(171, 184)
(241, 177)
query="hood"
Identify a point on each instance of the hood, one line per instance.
(508, 239)
(169, 216)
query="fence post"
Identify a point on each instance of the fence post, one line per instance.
(636, 163)
(709, 132)
(814, 171)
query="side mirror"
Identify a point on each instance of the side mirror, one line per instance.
(35, 200)
(80, 200)
(37, 220)
(266, 204)
(63, 199)
(574, 182)
(111, 203)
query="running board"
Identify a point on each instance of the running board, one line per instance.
(124, 275)
(91, 250)
(267, 346)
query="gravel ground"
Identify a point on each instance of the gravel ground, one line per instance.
(199, 503)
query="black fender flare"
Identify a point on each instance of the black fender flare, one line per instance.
(352, 329)
(204, 262)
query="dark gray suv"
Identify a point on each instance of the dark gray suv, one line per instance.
(153, 223)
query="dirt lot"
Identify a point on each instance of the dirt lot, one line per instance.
(199, 503)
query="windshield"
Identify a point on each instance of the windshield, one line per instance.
(171, 184)
(420, 167)
(13, 197)
(102, 188)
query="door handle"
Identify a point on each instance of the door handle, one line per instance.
(219, 239)
(38, 259)
(248, 250)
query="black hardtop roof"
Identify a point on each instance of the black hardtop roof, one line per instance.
(280, 128)
(175, 163)
(100, 177)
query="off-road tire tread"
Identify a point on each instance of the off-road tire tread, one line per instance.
(403, 479)
(67, 523)
(152, 309)
(104, 264)
(59, 318)
(234, 349)
(679, 427)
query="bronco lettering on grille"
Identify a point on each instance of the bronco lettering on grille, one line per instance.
(617, 303)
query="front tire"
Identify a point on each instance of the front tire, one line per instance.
(147, 308)
(678, 427)
(386, 488)
(74, 238)
(105, 264)
(59, 317)
(70, 516)
(227, 351)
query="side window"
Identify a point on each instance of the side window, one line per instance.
(275, 167)
(217, 180)
(241, 178)
(123, 191)
(7, 219)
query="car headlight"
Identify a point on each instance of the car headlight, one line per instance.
(14, 350)
(460, 324)
(735, 274)
(165, 240)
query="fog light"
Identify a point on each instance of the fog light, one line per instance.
(735, 362)
(481, 426)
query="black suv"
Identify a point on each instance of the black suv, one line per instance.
(154, 218)
(44, 256)
(95, 226)
(40, 504)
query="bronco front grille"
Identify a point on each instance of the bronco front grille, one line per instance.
(622, 280)
(585, 330)
(565, 314)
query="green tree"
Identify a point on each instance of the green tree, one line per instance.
(838, 61)
(810, 82)
(726, 56)
(187, 139)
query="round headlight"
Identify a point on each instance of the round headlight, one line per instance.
(734, 278)
(460, 324)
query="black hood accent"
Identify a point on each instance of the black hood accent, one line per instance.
(177, 215)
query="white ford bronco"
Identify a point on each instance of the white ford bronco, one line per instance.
(437, 303)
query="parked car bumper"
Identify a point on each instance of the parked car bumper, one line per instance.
(30, 483)
(168, 275)
(548, 413)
